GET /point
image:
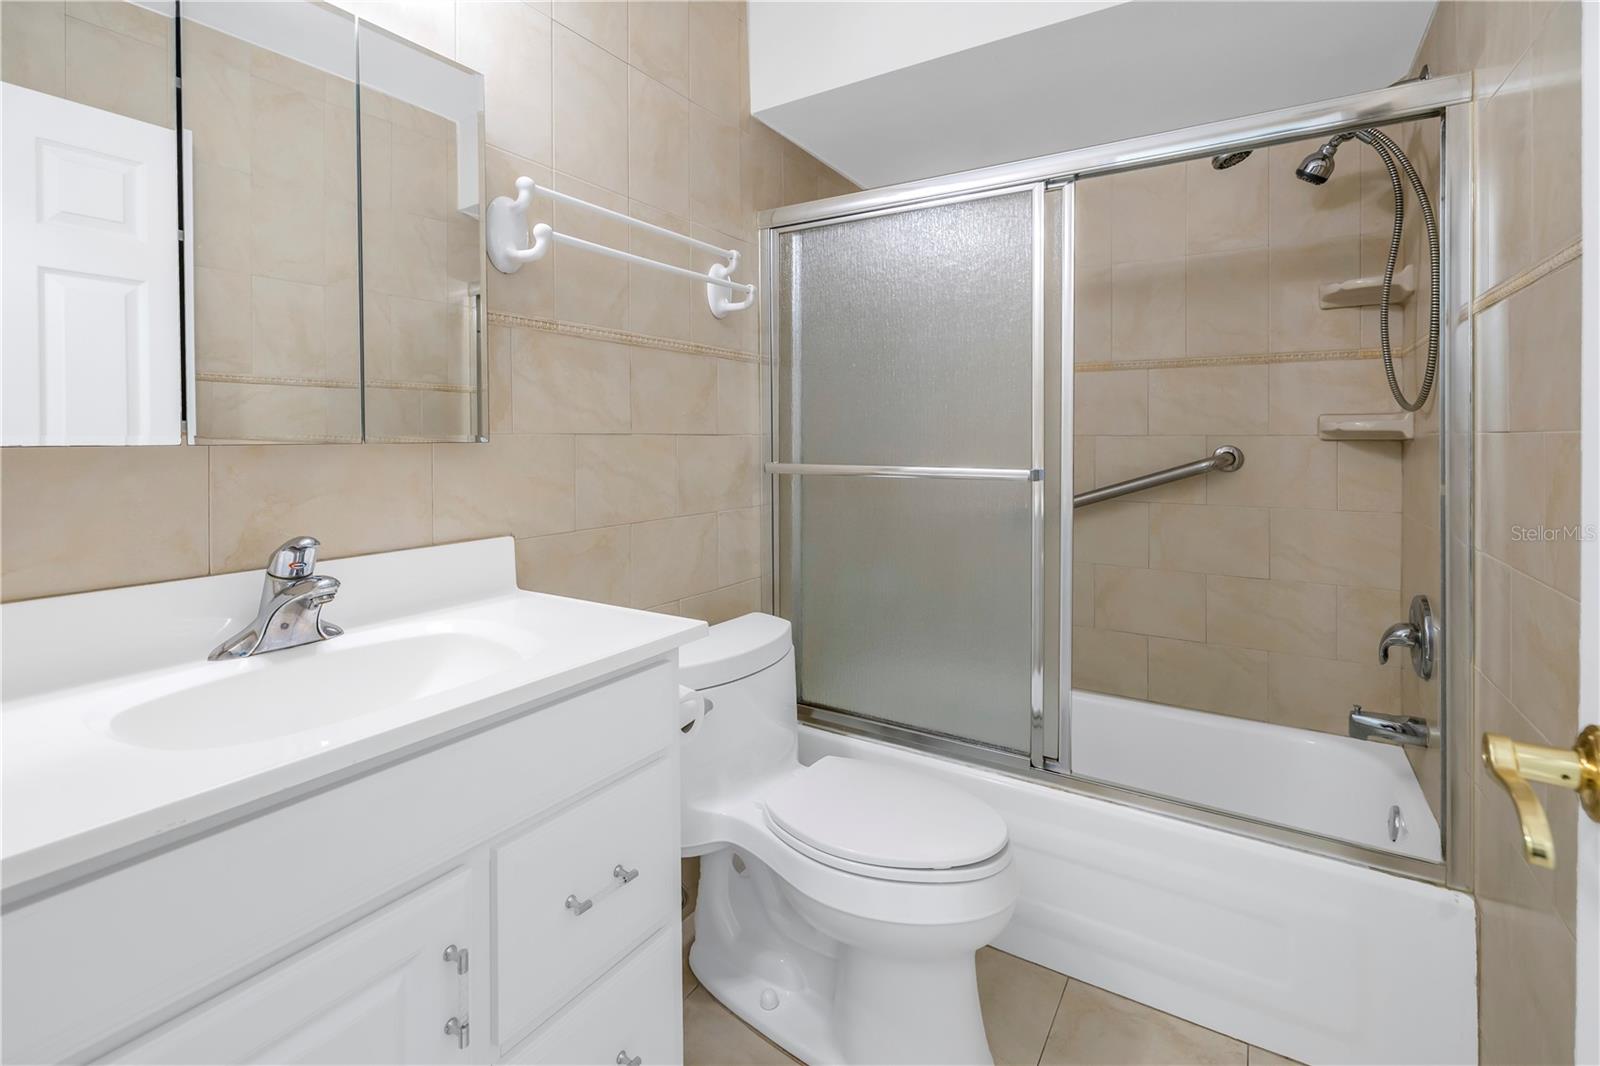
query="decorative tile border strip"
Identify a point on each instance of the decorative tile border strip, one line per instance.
(1513, 285)
(619, 336)
(318, 383)
(1254, 359)
(261, 379)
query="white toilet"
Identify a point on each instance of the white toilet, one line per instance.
(840, 903)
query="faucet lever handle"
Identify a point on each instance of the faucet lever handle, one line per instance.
(294, 558)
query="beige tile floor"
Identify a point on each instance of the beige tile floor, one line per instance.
(1035, 1017)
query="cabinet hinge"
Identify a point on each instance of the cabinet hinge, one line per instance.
(461, 1029)
(459, 956)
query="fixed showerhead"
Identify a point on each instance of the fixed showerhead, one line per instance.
(1317, 167)
(1231, 159)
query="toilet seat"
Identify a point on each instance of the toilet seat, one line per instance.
(884, 822)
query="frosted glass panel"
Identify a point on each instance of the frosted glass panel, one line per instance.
(907, 339)
(912, 601)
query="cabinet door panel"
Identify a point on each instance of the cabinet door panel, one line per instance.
(379, 991)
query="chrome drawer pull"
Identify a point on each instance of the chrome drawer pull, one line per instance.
(578, 906)
(623, 1060)
(624, 875)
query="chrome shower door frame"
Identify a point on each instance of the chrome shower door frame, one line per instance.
(776, 467)
(1447, 98)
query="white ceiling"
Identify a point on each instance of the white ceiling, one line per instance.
(1096, 73)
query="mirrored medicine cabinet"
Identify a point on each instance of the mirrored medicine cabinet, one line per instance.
(305, 265)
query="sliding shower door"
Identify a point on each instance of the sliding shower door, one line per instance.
(908, 432)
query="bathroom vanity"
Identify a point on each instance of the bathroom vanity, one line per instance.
(448, 835)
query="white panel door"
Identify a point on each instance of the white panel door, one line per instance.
(91, 330)
(380, 991)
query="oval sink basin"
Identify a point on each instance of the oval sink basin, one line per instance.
(286, 692)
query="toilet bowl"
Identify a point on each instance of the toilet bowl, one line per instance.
(840, 903)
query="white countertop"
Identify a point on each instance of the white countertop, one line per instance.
(78, 795)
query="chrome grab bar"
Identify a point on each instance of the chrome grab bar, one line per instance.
(948, 473)
(1225, 459)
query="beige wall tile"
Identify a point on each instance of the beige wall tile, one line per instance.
(1213, 399)
(1297, 321)
(1302, 392)
(1303, 215)
(1209, 539)
(591, 564)
(1111, 402)
(33, 46)
(1147, 212)
(626, 479)
(1104, 660)
(1369, 475)
(1147, 309)
(1115, 532)
(673, 393)
(1163, 603)
(658, 41)
(716, 38)
(738, 397)
(1492, 619)
(1364, 614)
(590, 288)
(1555, 115)
(672, 558)
(1316, 693)
(659, 303)
(511, 44)
(262, 495)
(1211, 677)
(1543, 353)
(118, 73)
(1226, 300)
(1284, 616)
(714, 172)
(521, 485)
(74, 519)
(718, 473)
(589, 125)
(739, 545)
(605, 22)
(724, 603)
(1544, 656)
(1277, 472)
(567, 384)
(1227, 209)
(1336, 548)
(658, 144)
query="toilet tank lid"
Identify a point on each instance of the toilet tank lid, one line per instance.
(733, 649)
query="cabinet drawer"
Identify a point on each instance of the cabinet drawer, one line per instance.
(576, 893)
(635, 1012)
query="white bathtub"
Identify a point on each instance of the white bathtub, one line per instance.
(1329, 785)
(1318, 959)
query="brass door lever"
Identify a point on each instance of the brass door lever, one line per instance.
(1577, 767)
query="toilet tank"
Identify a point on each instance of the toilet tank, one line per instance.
(745, 670)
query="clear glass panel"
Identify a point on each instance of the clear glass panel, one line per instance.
(269, 106)
(920, 612)
(908, 337)
(1238, 613)
(422, 263)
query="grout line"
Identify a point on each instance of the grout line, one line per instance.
(619, 336)
(1054, 1017)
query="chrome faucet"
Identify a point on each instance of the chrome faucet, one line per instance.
(290, 612)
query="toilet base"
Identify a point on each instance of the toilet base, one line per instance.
(821, 1000)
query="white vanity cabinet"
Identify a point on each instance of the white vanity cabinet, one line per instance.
(507, 892)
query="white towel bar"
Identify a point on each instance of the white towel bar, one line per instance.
(511, 243)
